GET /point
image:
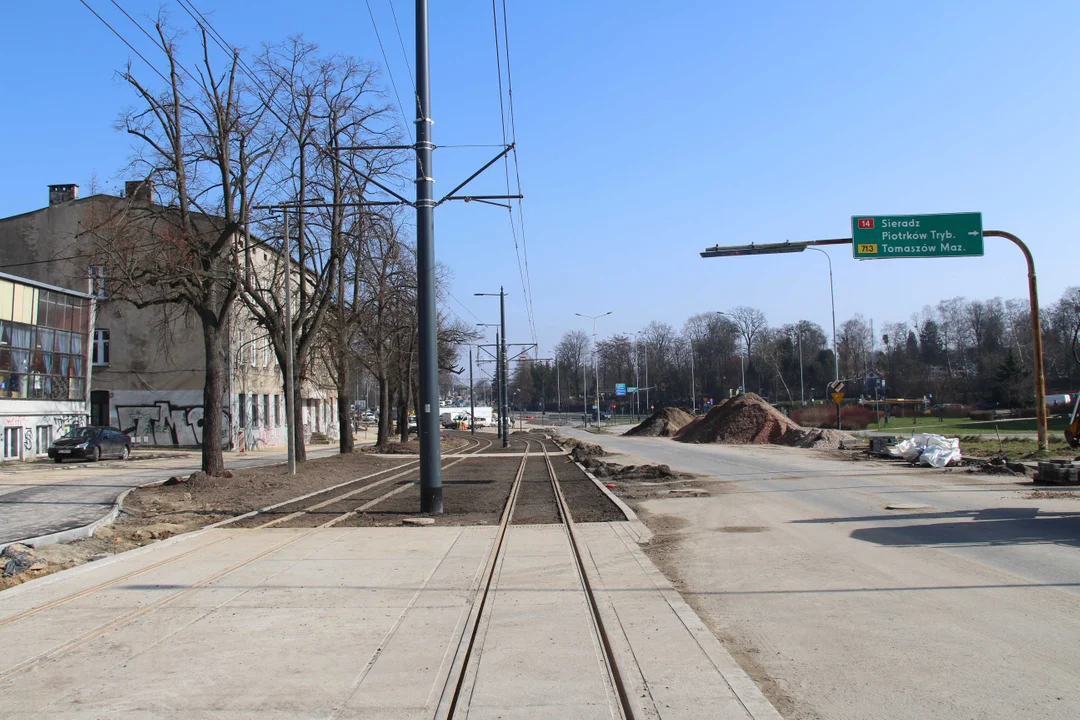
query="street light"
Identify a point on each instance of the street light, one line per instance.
(648, 407)
(596, 359)
(788, 247)
(742, 358)
(791, 247)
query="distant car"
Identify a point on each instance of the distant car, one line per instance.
(91, 443)
(413, 426)
(367, 416)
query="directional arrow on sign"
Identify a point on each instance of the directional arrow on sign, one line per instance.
(974, 232)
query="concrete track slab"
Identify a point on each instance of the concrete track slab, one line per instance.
(352, 623)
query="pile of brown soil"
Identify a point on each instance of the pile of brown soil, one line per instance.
(602, 469)
(742, 419)
(579, 451)
(663, 423)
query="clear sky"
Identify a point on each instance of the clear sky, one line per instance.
(648, 131)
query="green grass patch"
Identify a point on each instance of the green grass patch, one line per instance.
(1015, 448)
(1004, 426)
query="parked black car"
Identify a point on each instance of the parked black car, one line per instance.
(91, 442)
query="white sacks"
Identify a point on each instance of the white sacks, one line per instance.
(927, 449)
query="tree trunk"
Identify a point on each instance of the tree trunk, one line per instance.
(213, 462)
(298, 421)
(403, 417)
(346, 443)
(384, 412)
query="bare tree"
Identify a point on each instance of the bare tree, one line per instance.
(173, 244)
(751, 322)
(325, 108)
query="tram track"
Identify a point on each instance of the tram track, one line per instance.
(464, 668)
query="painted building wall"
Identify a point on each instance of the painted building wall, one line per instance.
(28, 426)
(151, 385)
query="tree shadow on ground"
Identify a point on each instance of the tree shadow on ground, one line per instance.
(987, 527)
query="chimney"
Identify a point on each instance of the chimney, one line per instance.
(62, 193)
(142, 190)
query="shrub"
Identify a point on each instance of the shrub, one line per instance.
(954, 411)
(852, 417)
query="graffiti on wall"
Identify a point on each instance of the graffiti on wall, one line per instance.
(29, 425)
(163, 423)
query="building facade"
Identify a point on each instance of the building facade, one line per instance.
(147, 365)
(44, 365)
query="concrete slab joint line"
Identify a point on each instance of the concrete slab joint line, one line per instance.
(755, 703)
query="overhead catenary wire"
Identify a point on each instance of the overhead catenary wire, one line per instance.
(522, 267)
(404, 52)
(513, 140)
(124, 40)
(274, 106)
(386, 61)
(463, 305)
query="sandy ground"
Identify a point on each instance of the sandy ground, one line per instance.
(961, 602)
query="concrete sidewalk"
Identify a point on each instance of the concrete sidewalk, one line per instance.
(57, 503)
(358, 623)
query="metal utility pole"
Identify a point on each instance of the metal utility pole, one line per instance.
(1036, 334)
(498, 385)
(290, 389)
(693, 389)
(431, 490)
(585, 393)
(637, 385)
(472, 404)
(832, 301)
(802, 392)
(596, 358)
(504, 367)
(558, 387)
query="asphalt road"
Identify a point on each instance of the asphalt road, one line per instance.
(46, 498)
(964, 605)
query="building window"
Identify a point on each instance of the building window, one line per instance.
(266, 410)
(254, 351)
(12, 442)
(101, 347)
(41, 363)
(97, 282)
(242, 409)
(240, 347)
(44, 439)
(277, 411)
(266, 353)
(254, 410)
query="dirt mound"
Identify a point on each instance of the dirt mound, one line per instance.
(742, 419)
(818, 439)
(602, 469)
(662, 423)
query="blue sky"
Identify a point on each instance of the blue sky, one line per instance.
(649, 131)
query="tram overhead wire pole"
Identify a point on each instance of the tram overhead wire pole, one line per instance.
(431, 491)
(504, 366)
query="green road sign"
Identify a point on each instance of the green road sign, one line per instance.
(916, 236)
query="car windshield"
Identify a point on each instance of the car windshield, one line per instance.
(82, 432)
